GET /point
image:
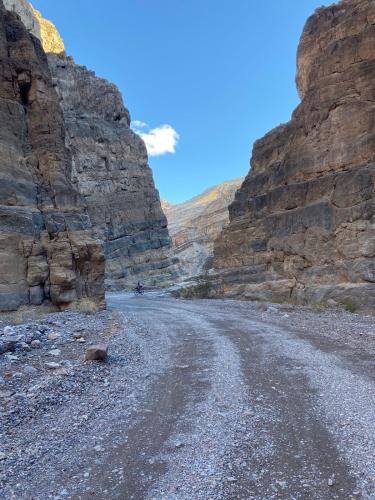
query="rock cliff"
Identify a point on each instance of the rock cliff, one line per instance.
(195, 224)
(302, 226)
(110, 169)
(47, 248)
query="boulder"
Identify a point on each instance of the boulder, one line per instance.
(97, 352)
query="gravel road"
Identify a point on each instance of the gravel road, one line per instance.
(209, 399)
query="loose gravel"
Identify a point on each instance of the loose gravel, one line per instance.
(198, 399)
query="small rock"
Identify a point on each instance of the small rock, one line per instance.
(182, 367)
(53, 336)
(331, 303)
(272, 309)
(98, 448)
(24, 346)
(248, 413)
(2, 456)
(97, 352)
(7, 344)
(231, 479)
(331, 481)
(77, 335)
(179, 444)
(12, 357)
(53, 366)
(81, 340)
(36, 344)
(30, 370)
(8, 330)
(55, 352)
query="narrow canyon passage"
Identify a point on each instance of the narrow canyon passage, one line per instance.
(203, 399)
(244, 412)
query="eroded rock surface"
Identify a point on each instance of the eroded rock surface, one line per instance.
(195, 224)
(303, 223)
(110, 167)
(111, 171)
(47, 248)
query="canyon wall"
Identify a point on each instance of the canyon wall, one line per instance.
(195, 224)
(302, 226)
(111, 171)
(47, 247)
(110, 168)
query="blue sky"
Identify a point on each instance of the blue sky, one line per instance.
(219, 73)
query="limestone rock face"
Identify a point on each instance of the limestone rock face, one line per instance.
(49, 36)
(47, 248)
(195, 224)
(110, 169)
(302, 226)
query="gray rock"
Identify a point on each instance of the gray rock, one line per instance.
(36, 344)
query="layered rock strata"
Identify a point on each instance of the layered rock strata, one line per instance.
(195, 224)
(110, 169)
(47, 248)
(302, 226)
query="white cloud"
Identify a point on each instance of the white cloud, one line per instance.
(159, 140)
(137, 124)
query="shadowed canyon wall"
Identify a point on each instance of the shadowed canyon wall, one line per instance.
(47, 247)
(195, 224)
(109, 166)
(302, 226)
(110, 169)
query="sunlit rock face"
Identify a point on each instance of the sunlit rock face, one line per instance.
(47, 247)
(50, 37)
(35, 23)
(302, 226)
(195, 224)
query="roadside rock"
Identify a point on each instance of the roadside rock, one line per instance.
(8, 344)
(97, 352)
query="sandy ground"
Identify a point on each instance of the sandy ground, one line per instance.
(210, 399)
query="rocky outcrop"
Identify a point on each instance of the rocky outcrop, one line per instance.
(47, 248)
(110, 170)
(195, 224)
(27, 14)
(49, 36)
(302, 226)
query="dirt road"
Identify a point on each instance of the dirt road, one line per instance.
(244, 403)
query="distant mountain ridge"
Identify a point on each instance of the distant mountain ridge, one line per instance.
(195, 224)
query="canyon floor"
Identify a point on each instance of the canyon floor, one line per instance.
(209, 399)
